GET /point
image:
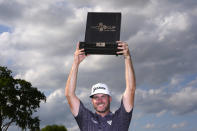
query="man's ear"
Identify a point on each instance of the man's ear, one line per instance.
(110, 98)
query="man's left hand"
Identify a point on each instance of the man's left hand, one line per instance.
(123, 46)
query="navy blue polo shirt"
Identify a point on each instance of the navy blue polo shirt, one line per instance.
(89, 121)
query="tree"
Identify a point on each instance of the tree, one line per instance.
(19, 100)
(54, 128)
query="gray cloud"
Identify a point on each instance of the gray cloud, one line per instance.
(122, 4)
(10, 10)
(161, 36)
(159, 100)
(112, 4)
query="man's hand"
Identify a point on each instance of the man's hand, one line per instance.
(123, 46)
(79, 55)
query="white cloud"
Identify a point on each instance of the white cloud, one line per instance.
(95, 62)
(57, 97)
(149, 126)
(138, 115)
(171, 23)
(175, 21)
(176, 80)
(185, 101)
(193, 83)
(161, 113)
(179, 125)
(55, 110)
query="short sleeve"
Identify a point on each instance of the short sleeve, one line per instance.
(124, 117)
(82, 117)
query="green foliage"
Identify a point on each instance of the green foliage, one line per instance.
(54, 128)
(19, 100)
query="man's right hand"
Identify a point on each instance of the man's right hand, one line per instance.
(79, 55)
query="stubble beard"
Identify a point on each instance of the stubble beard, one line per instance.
(107, 108)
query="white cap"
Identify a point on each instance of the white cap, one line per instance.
(100, 88)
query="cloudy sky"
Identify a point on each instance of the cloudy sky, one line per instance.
(38, 39)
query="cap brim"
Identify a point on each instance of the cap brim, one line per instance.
(99, 93)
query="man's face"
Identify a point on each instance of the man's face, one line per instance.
(101, 102)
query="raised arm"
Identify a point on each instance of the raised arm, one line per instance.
(129, 93)
(72, 99)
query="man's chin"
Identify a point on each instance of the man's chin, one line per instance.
(101, 110)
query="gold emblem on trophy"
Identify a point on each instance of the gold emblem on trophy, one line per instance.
(101, 27)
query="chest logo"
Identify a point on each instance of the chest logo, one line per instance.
(109, 122)
(94, 121)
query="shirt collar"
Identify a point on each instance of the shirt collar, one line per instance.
(106, 116)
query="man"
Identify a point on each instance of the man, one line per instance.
(102, 119)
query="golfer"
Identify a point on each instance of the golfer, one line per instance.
(103, 119)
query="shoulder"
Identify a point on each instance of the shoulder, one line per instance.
(122, 118)
(122, 111)
(83, 117)
(83, 111)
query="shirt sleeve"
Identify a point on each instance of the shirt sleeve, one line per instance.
(82, 116)
(124, 117)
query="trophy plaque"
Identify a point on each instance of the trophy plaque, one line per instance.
(102, 32)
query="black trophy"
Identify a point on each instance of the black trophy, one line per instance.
(102, 32)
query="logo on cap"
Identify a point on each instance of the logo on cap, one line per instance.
(100, 88)
(96, 88)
